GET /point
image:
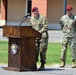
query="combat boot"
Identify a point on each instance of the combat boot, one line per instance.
(73, 64)
(42, 67)
(62, 64)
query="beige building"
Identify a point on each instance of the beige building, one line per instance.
(16, 9)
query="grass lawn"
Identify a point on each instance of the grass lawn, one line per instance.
(3, 51)
(53, 53)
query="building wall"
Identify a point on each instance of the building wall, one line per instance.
(52, 8)
(55, 10)
(42, 6)
(16, 10)
(3, 12)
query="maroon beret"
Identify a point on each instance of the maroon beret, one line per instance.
(69, 7)
(34, 9)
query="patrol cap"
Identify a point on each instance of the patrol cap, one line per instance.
(69, 8)
(34, 9)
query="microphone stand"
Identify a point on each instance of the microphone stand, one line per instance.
(23, 19)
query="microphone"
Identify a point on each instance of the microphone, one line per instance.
(26, 15)
(24, 18)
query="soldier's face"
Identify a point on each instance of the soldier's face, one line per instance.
(69, 12)
(36, 13)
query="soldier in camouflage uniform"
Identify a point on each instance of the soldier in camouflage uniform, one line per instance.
(39, 23)
(68, 26)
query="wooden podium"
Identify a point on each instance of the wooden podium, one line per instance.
(21, 52)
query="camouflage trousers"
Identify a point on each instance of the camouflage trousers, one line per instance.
(71, 42)
(41, 48)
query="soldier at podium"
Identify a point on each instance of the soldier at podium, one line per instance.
(39, 23)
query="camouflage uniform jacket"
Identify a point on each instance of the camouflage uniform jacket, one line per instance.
(40, 24)
(68, 25)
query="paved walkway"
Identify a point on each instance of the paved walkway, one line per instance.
(49, 71)
(1, 35)
(54, 35)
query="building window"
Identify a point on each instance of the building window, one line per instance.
(29, 6)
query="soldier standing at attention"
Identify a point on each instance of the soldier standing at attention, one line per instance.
(68, 26)
(39, 23)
